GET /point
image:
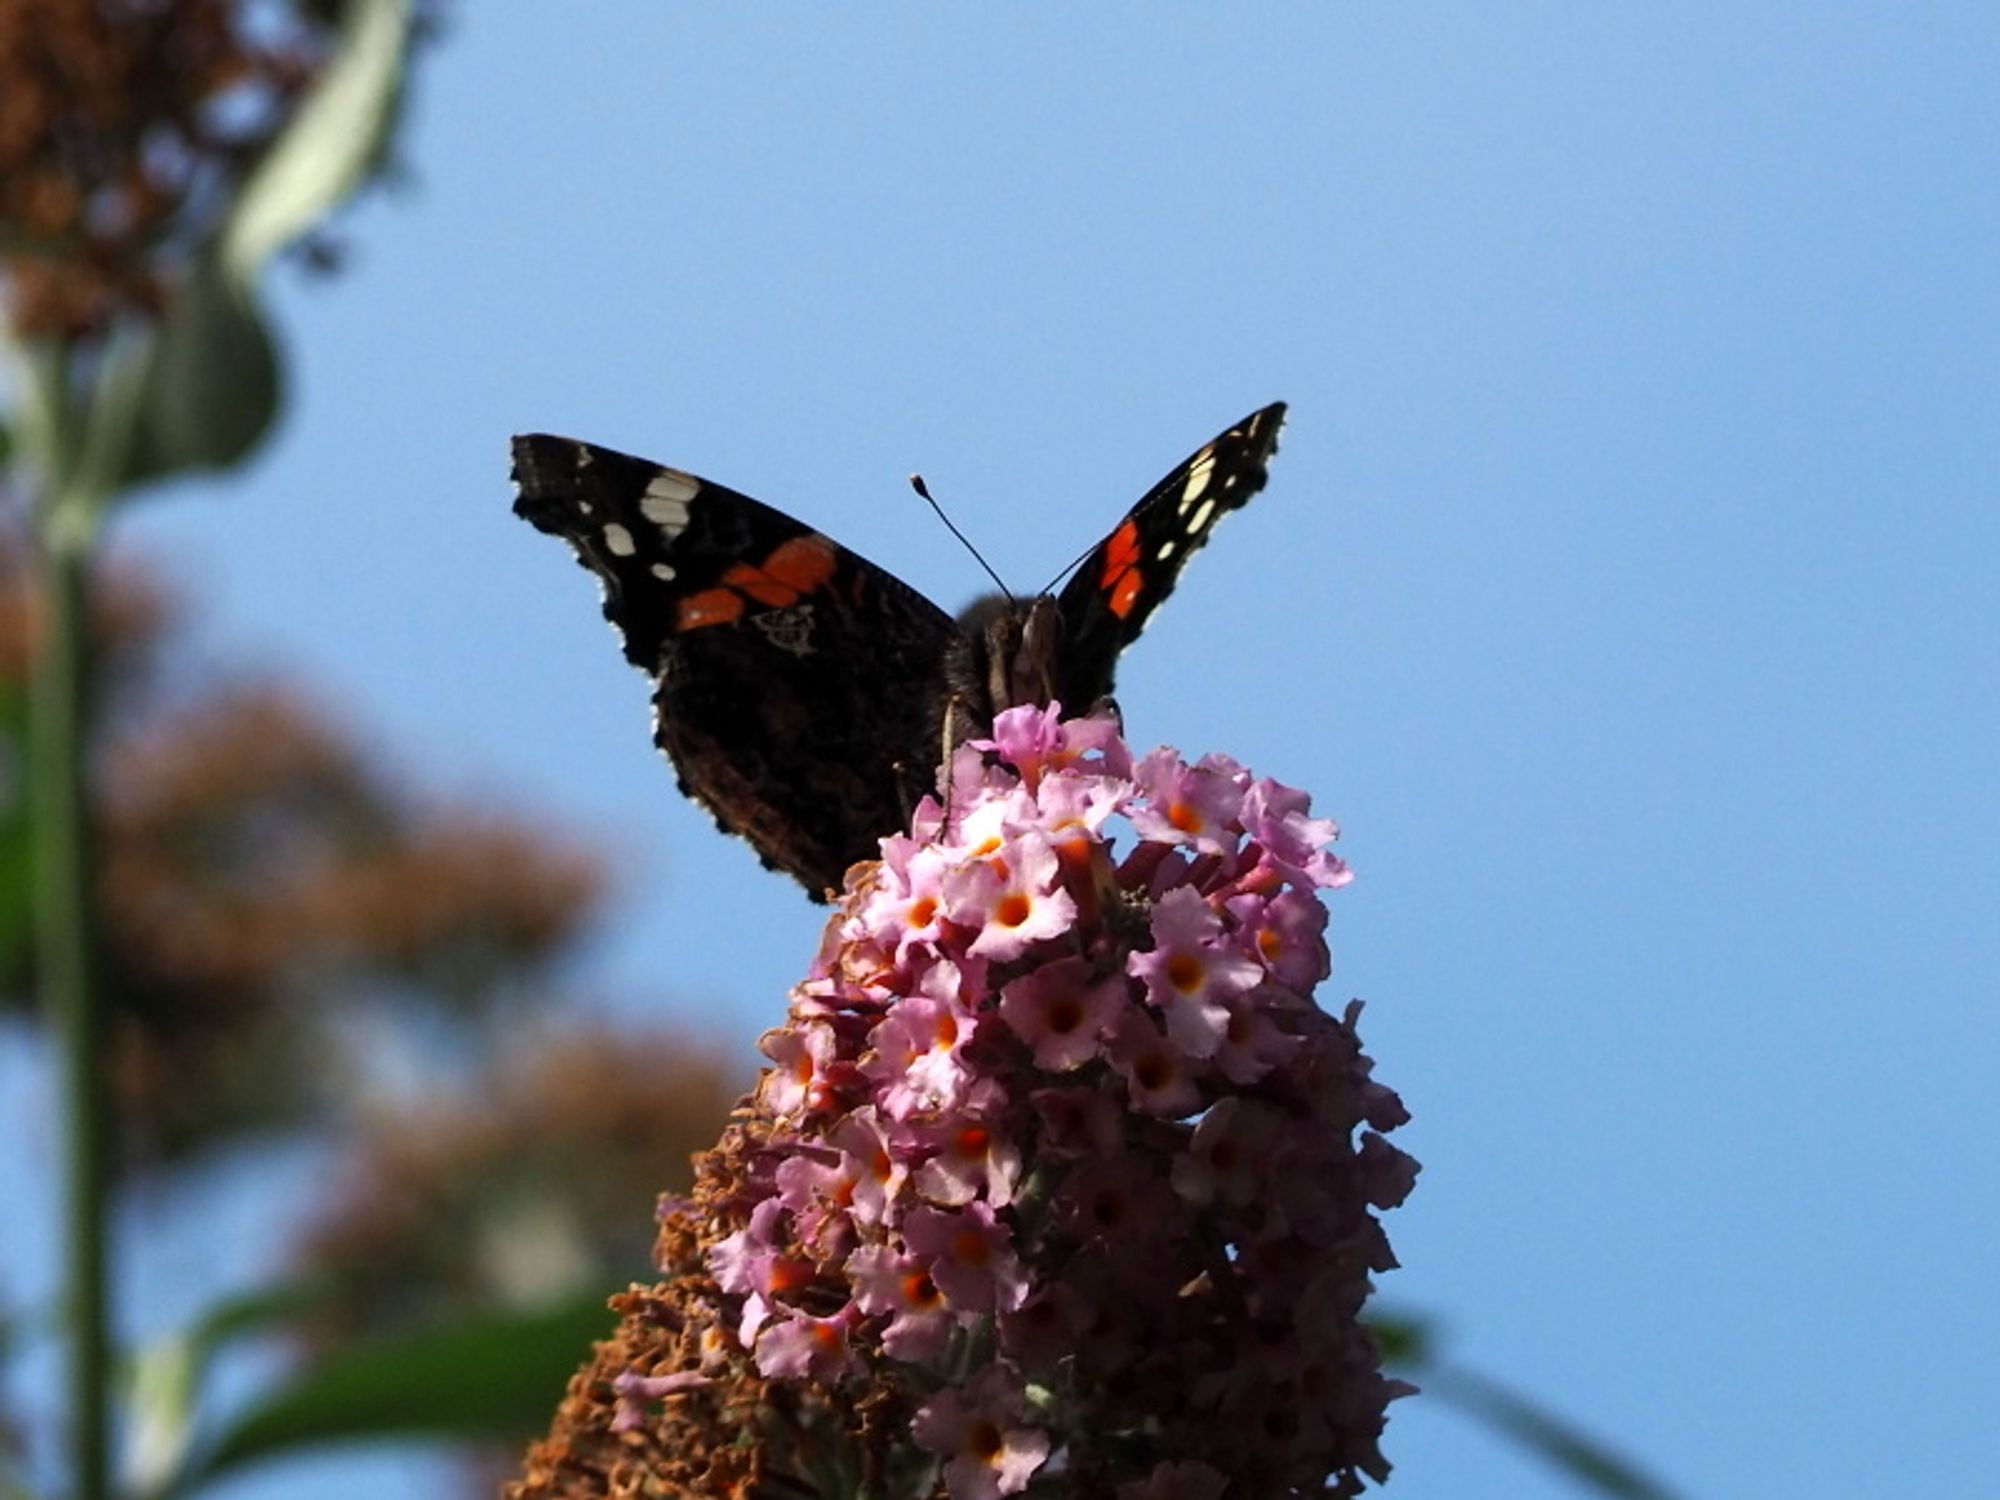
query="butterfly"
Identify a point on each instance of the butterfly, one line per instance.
(807, 697)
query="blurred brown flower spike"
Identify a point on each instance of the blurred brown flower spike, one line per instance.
(153, 158)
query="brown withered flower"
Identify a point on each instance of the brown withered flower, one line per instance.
(261, 876)
(124, 125)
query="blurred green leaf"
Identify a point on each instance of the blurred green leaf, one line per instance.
(332, 143)
(16, 859)
(206, 390)
(494, 1377)
(6, 444)
(1583, 1458)
(168, 1374)
(262, 1311)
(40, 414)
(1405, 1339)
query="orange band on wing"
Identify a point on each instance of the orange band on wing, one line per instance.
(1121, 554)
(793, 570)
(797, 568)
(1125, 593)
(1122, 581)
(709, 607)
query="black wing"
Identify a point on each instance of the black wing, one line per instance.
(1107, 602)
(793, 679)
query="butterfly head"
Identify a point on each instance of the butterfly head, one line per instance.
(1015, 648)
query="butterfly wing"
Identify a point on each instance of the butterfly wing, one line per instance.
(1107, 602)
(790, 675)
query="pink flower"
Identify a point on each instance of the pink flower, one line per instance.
(909, 909)
(1284, 933)
(870, 1176)
(900, 1287)
(1062, 1011)
(1192, 971)
(798, 1080)
(970, 1155)
(1198, 805)
(635, 1390)
(1035, 741)
(1275, 816)
(802, 1347)
(971, 1256)
(988, 1449)
(1160, 1078)
(1012, 898)
(919, 1062)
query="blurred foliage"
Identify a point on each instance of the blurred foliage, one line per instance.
(124, 131)
(276, 903)
(129, 133)
(537, 1186)
(483, 1381)
(154, 156)
(262, 882)
(286, 934)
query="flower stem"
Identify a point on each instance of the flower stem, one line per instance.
(65, 960)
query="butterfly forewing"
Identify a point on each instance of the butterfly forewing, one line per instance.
(788, 671)
(1107, 602)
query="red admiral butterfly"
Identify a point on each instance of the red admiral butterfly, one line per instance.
(806, 696)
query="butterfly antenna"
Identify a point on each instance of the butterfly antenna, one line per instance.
(1068, 568)
(917, 484)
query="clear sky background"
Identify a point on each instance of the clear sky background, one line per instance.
(1626, 586)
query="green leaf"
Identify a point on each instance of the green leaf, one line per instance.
(17, 888)
(333, 142)
(1405, 1339)
(200, 394)
(494, 1377)
(1584, 1459)
(257, 1312)
(197, 392)
(41, 414)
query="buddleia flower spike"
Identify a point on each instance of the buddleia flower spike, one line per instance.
(1059, 1182)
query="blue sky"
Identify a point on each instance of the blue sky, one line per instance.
(1625, 585)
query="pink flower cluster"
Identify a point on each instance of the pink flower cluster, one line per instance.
(1061, 1150)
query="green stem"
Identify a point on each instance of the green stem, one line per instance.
(64, 958)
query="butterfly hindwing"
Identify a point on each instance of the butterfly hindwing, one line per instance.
(1107, 602)
(789, 674)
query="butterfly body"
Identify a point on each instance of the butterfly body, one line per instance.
(807, 697)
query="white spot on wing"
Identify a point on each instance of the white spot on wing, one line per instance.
(665, 502)
(1200, 518)
(1197, 480)
(1167, 549)
(619, 540)
(663, 571)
